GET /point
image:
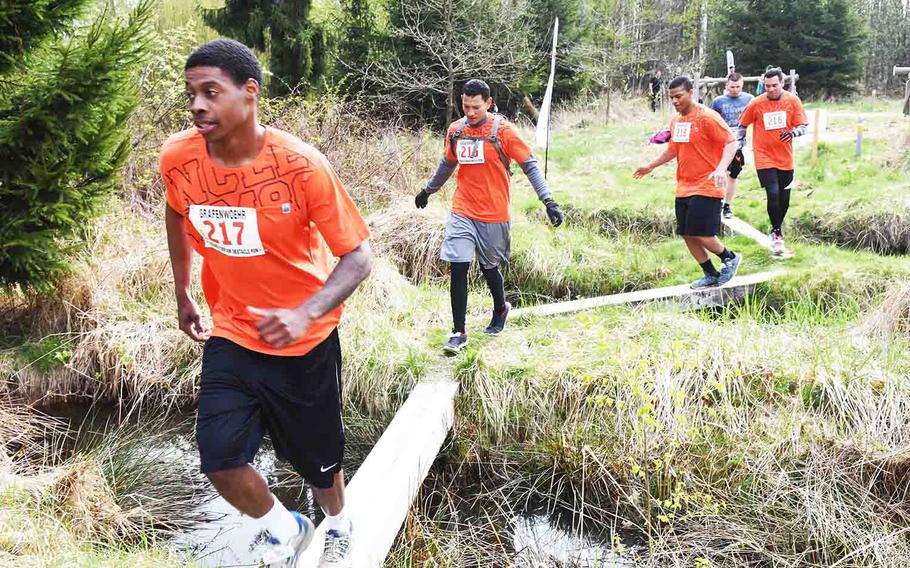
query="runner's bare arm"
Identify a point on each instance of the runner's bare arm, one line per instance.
(720, 172)
(667, 156)
(279, 327)
(182, 265)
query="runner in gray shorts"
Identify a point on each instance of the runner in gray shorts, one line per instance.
(491, 242)
(482, 146)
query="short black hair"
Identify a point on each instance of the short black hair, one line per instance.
(232, 57)
(476, 87)
(734, 76)
(681, 81)
(775, 72)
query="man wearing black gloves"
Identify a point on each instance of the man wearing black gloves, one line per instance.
(482, 146)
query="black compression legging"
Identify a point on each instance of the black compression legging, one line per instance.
(497, 287)
(458, 291)
(777, 188)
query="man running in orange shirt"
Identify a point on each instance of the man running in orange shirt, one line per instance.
(481, 146)
(265, 211)
(777, 117)
(703, 146)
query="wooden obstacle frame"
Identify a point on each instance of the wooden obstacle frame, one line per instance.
(904, 71)
(708, 82)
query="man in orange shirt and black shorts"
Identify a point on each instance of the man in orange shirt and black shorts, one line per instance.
(265, 211)
(481, 146)
(777, 117)
(703, 146)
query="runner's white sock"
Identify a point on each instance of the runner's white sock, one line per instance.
(280, 523)
(339, 523)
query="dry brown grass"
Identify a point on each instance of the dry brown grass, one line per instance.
(878, 231)
(412, 239)
(892, 316)
(83, 499)
(115, 315)
(378, 161)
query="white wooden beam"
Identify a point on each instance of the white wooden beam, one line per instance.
(381, 492)
(739, 226)
(681, 294)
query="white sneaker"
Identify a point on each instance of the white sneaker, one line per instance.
(777, 245)
(286, 555)
(337, 551)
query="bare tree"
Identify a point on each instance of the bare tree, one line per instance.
(444, 42)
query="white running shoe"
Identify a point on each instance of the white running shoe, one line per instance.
(777, 245)
(337, 551)
(286, 555)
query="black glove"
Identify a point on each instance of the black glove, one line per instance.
(422, 198)
(786, 135)
(554, 212)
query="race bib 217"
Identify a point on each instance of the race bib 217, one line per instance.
(233, 231)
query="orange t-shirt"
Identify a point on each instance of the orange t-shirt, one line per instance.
(698, 139)
(482, 185)
(264, 230)
(768, 118)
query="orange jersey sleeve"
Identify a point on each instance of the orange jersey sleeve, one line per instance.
(514, 147)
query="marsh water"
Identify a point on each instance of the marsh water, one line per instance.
(211, 532)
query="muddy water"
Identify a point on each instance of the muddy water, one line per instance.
(213, 533)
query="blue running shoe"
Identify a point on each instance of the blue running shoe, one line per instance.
(456, 343)
(728, 270)
(498, 323)
(705, 281)
(286, 555)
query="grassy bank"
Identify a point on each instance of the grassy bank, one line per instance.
(769, 432)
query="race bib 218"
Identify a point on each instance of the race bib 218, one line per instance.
(775, 120)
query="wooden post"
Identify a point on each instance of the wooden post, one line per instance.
(793, 78)
(815, 133)
(904, 71)
(860, 126)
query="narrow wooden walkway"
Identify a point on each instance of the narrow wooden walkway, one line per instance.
(682, 294)
(739, 226)
(380, 494)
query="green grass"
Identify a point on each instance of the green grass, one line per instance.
(770, 432)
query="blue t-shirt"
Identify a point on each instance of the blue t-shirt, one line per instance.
(730, 109)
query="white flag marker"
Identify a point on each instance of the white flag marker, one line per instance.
(542, 138)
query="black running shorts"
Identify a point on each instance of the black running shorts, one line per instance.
(296, 400)
(698, 216)
(736, 164)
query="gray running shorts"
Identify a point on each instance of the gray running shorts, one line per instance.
(492, 242)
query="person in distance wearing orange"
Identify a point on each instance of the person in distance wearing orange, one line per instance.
(777, 117)
(703, 146)
(482, 146)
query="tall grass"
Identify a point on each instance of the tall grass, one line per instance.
(739, 442)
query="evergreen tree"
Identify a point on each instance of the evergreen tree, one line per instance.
(63, 136)
(358, 41)
(295, 45)
(821, 39)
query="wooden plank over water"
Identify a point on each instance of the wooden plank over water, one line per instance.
(682, 294)
(739, 226)
(381, 492)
